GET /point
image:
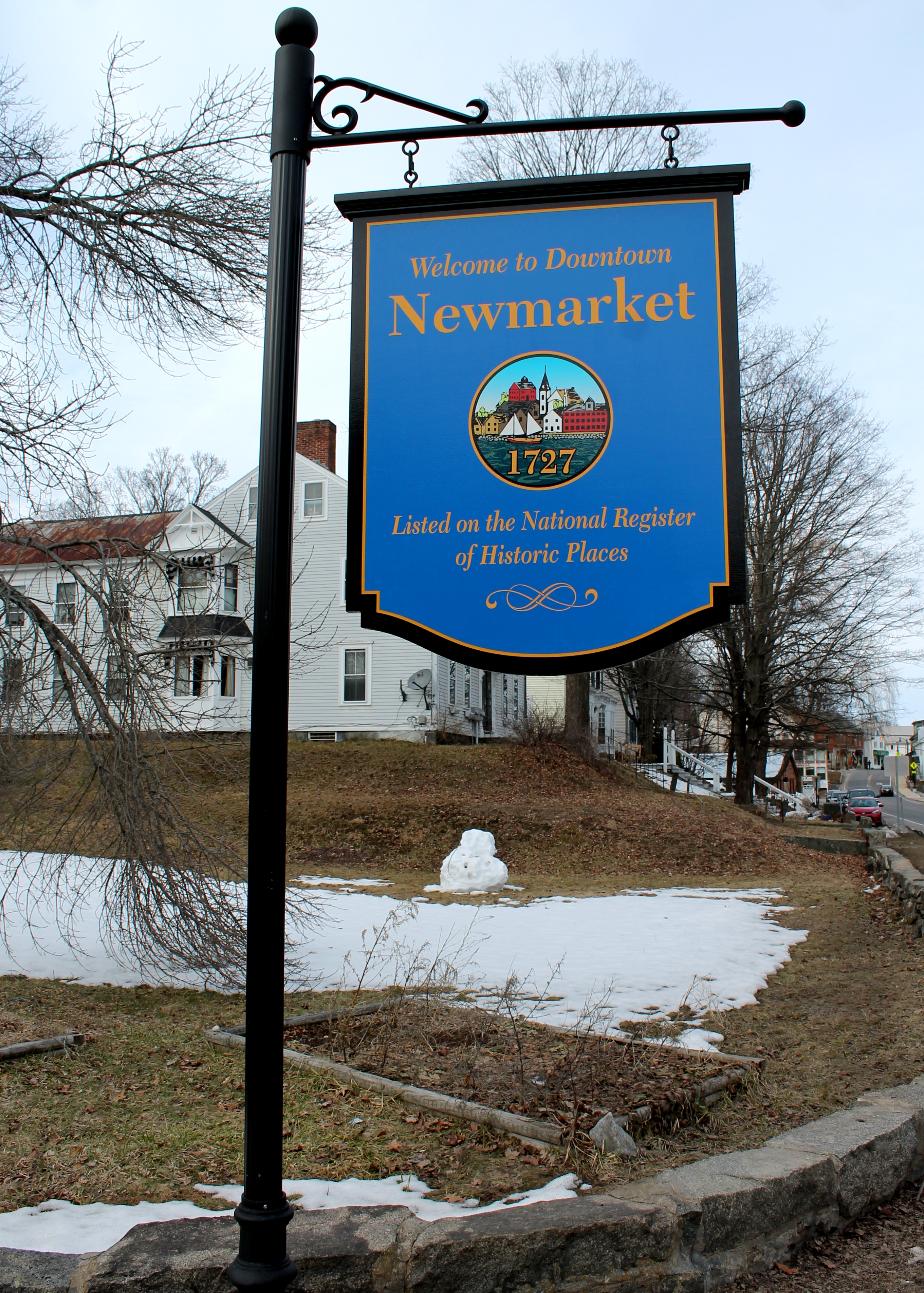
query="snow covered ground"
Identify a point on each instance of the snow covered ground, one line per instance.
(630, 955)
(60, 1227)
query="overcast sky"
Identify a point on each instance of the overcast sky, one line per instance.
(833, 212)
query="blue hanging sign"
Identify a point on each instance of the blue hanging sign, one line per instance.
(545, 463)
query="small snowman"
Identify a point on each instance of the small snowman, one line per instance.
(473, 867)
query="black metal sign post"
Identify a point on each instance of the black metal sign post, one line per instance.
(264, 1213)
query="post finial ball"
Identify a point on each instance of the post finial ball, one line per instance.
(296, 27)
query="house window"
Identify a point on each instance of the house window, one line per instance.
(452, 682)
(467, 687)
(355, 665)
(12, 680)
(189, 675)
(229, 602)
(228, 675)
(252, 503)
(15, 615)
(601, 725)
(506, 701)
(115, 678)
(66, 604)
(57, 679)
(119, 602)
(192, 589)
(516, 698)
(313, 503)
(596, 679)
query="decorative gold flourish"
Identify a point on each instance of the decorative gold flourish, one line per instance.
(557, 597)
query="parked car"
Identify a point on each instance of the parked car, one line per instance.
(836, 800)
(884, 787)
(866, 809)
(858, 792)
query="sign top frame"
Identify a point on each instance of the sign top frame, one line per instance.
(498, 194)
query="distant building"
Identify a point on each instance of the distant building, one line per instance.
(889, 740)
(612, 729)
(182, 585)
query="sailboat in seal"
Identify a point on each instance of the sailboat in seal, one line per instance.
(520, 433)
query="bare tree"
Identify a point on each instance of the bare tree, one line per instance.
(831, 584)
(167, 481)
(154, 229)
(660, 689)
(571, 87)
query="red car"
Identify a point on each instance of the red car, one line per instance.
(866, 809)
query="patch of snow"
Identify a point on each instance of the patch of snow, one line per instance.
(598, 960)
(60, 1227)
(698, 1039)
(406, 1191)
(655, 772)
(57, 1226)
(473, 867)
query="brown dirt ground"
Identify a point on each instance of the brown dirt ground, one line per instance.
(496, 1058)
(384, 807)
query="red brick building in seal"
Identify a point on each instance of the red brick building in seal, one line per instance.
(584, 421)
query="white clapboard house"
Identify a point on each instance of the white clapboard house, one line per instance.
(184, 583)
(612, 729)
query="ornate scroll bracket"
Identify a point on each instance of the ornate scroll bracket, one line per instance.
(349, 117)
(556, 597)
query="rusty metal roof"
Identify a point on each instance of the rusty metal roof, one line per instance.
(28, 543)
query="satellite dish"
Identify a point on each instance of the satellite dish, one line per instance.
(422, 681)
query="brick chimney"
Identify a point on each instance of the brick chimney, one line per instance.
(317, 440)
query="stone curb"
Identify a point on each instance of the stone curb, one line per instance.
(903, 879)
(687, 1230)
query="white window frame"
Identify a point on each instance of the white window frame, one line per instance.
(57, 680)
(116, 678)
(319, 513)
(184, 673)
(252, 503)
(12, 679)
(227, 671)
(15, 615)
(365, 647)
(233, 586)
(199, 585)
(451, 690)
(66, 607)
(120, 602)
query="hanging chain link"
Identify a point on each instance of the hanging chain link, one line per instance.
(410, 148)
(669, 134)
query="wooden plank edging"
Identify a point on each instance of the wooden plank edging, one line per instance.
(531, 1130)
